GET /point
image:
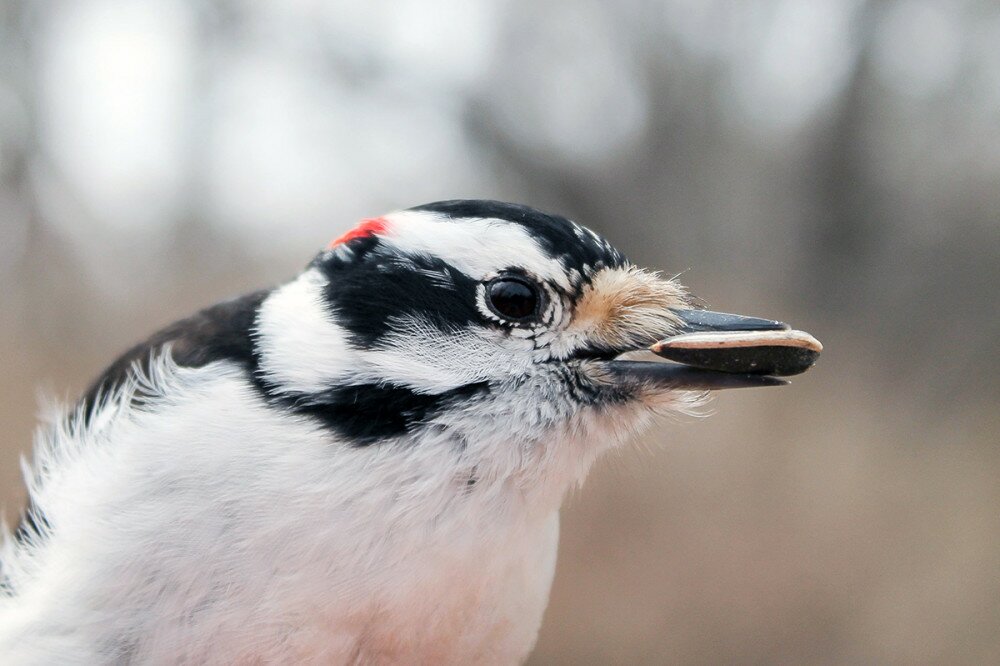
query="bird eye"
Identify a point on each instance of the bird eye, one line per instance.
(512, 298)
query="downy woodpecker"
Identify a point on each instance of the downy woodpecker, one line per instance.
(361, 466)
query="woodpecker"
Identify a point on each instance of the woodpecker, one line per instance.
(363, 465)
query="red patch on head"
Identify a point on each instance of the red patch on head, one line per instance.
(368, 227)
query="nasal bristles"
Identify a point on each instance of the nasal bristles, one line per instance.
(629, 306)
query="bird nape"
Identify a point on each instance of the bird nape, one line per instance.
(366, 463)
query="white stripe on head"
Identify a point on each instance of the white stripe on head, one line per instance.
(479, 247)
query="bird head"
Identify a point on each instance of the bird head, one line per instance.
(491, 326)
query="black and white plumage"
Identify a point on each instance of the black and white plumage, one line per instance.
(363, 465)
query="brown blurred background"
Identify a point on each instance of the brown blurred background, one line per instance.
(835, 164)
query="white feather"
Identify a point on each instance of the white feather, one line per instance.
(208, 527)
(476, 246)
(301, 347)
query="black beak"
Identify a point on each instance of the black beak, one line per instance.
(674, 376)
(699, 321)
(716, 350)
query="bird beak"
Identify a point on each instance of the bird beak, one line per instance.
(716, 350)
(698, 321)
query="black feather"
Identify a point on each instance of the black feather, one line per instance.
(377, 285)
(365, 414)
(220, 332)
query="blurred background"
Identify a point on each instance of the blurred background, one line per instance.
(835, 164)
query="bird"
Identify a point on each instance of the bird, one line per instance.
(362, 465)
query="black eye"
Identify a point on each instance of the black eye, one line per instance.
(512, 298)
